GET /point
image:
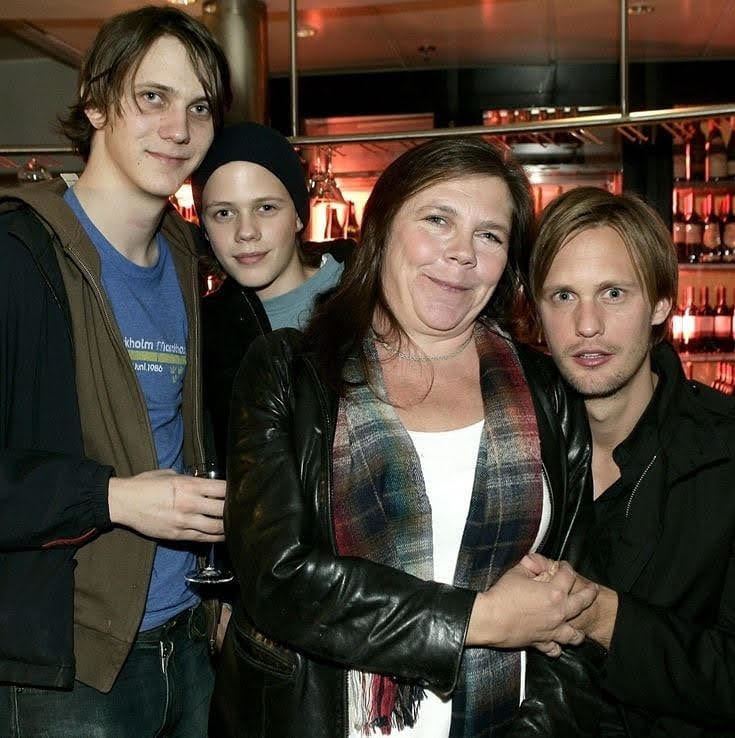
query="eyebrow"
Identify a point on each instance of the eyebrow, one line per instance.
(561, 287)
(449, 210)
(165, 88)
(257, 200)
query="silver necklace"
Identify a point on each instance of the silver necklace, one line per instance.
(436, 357)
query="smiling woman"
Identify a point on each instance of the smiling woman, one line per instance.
(390, 469)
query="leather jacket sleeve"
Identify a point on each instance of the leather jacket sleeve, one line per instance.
(563, 697)
(294, 587)
(566, 450)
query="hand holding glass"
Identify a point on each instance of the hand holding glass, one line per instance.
(211, 572)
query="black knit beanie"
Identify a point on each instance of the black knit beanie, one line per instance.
(260, 145)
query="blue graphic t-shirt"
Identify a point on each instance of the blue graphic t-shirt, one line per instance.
(150, 313)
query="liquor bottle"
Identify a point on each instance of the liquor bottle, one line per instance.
(335, 228)
(719, 376)
(715, 154)
(678, 154)
(352, 229)
(705, 321)
(711, 240)
(677, 315)
(689, 325)
(695, 154)
(678, 230)
(723, 322)
(731, 151)
(692, 231)
(728, 386)
(728, 232)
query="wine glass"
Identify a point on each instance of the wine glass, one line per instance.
(211, 572)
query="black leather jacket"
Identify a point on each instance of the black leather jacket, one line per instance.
(306, 615)
(670, 670)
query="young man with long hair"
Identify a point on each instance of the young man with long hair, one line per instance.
(101, 402)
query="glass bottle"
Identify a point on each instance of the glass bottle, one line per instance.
(695, 154)
(692, 230)
(678, 155)
(728, 232)
(676, 323)
(723, 322)
(715, 154)
(352, 229)
(730, 151)
(711, 240)
(705, 321)
(689, 337)
(678, 230)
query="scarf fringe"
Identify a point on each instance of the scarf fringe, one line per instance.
(383, 704)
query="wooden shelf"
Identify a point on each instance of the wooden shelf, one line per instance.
(709, 358)
(707, 267)
(722, 187)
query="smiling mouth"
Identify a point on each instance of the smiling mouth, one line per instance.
(448, 286)
(166, 158)
(250, 258)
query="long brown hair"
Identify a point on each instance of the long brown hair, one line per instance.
(341, 322)
(116, 53)
(639, 226)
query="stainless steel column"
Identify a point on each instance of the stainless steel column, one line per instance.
(241, 29)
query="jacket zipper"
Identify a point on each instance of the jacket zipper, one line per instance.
(638, 484)
(197, 440)
(196, 388)
(122, 354)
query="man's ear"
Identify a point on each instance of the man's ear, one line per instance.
(299, 224)
(96, 117)
(661, 311)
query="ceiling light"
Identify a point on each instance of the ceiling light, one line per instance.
(182, 2)
(305, 31)
(640, 9)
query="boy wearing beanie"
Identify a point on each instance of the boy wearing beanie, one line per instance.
(251, 196)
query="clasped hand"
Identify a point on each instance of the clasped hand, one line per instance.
(165, 505)
(532, 604)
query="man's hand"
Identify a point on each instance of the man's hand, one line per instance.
(598, 620)
(165, 505)
(518, 611)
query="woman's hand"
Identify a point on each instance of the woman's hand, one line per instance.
(526, 608)
(597, 621)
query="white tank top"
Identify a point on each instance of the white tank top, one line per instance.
(448, 461)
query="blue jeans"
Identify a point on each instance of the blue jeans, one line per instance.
(164, 689)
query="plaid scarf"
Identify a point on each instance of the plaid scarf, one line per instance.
(381, 512)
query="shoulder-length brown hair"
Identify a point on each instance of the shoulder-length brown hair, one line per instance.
(116, 53)
(639, 226)
(342, 322)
